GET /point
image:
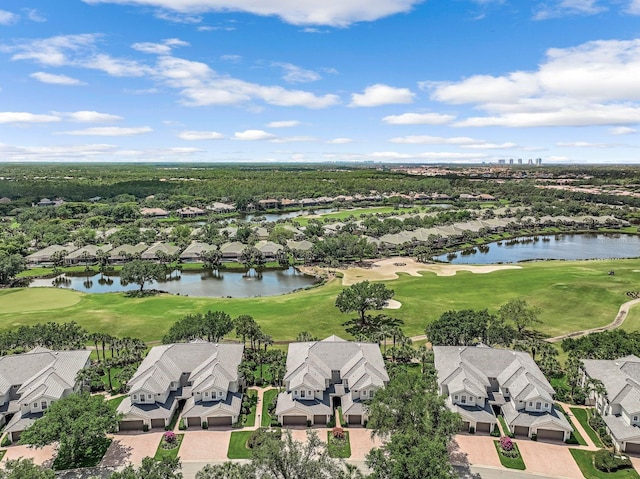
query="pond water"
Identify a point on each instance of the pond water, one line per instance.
(565, 246)
(193, 283)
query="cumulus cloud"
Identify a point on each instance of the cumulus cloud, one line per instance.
(109, 131)
(34, 15)
(163, 48)
(8, 18)
(419, 119)
(591, 84)
(296, 74)
(200, 135)
(21, 117)
(378, 94)
(54, 79)
(339, 141)
(283, 124)
(252, 135)
(336, 13)
(86, 116)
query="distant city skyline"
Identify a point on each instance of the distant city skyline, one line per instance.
(406, 81)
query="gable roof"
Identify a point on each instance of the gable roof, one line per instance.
(620, 377)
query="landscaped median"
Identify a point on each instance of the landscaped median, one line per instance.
(509, 454)
(267, 399)
(238, 445)
(582, 416)
(338, 444)
(586, 461)
(169, 446)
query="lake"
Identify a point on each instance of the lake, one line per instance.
(564, 246)
(193, 283)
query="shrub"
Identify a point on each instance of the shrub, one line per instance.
(506, 444)
(495, 432)
(205, 425)
(6, 441)
(332, 422)
(145, 427)
(182, 426)
(572, 439)
(170, 437)
(534, 437)
(607, 461)
(338, 432)
(261, 434)
(472, 430)
(308, 423)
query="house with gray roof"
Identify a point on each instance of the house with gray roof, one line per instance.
(87, 254)
(619, 403)
(479, 381)
(166, 248)
(31, 382)
(204, 375)
(232, 251)
(124, 253)
(269, 249)
(194, 252)
(322, 375)
(43, 257)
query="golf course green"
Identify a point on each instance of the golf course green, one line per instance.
(571, 296)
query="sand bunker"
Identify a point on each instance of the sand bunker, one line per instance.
(388, 269)
(392, 304)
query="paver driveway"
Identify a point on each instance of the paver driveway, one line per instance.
(478, 450)
(43, 456)
(131, 448)
(205, 446)
(361, 443)
(548, 459)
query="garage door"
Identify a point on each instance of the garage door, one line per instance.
(131, 425)
(194, 421)
(465, 426)
(320, 419)
(294, 420)
(632, 448)
(550, 435)
(521, 431)
(483, 427)
(157, 423)
(219, 421)
(15, 436)
(355, 419)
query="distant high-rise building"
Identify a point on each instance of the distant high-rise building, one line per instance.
(502, 162)
(519, 161)
(511, 161)
(539, 161)
(530, 161)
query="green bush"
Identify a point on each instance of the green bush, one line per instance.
(332, 422)
(145, 427)
(534, 437)
(572, 439)
(495, 432)
(6, 441)
(182, 426)
(260, 435)
(607, 461)
(472, 430)
(205, 425)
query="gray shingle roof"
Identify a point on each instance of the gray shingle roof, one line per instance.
(617, 376)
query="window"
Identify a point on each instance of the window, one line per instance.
(538, 405)
(135, 397)
(371, 394)
(302, 393)
(455, 397)
(530, 404)
(43, 404)
(546, 405)
(463, 399)
(206, 394)
(148, 396)
(220, 394)
(35, 404)
(635, 418)
(309, 393)
(364, 393)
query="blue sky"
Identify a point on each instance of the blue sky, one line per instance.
(320, 80)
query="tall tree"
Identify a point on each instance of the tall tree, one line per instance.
(165, 468)
(227, 470)
(10, 266)
(78, 424)
(521, 314)
(25, 469)
(141, 272)
(360, 298)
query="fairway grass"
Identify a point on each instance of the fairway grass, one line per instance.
(571, 296)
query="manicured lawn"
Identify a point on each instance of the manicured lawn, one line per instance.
(575, 434)
(115, 402)
(250, 420)
(267, 398)
(584, 459)
(339, 448)
(571, 296)
(238, 445)
(503, 423)
(582, 416)
(2, 453)
(168, 453)
(510, 462)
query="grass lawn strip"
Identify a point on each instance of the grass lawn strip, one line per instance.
(168, 453)
(250, 419)
(582, 416)
(115, 402)
(575, 434)
(510, 462)
(267, 398)
(584, 459)
(338, 448)
(581, 292)
(503, 423)
(238, 445)
(2, 453)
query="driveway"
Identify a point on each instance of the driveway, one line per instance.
(474, 450)
(207, 446)
(361, 443)
(131, 448)
(43, 456)
(548, 459)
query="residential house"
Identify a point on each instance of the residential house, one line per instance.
(322, 375)
(87, 254)
(201, 374)
(124, 253)
(479, 381)
(190, 212)
(194, 251)
(269, 249)
(232, 251)
(166, 248)
(269, 203)
(154, 213)
(43, 257)
(619, 402)
(222, 207)
(48, 202)
(31, 382)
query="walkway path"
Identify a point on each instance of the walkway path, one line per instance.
(617, 322)
(590, 445)
(258, 421)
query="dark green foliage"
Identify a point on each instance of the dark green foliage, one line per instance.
(141, 272)
(212, 326)
(166, 468)
(607, 461)
(227, 470)
(261, 435)
(606, 345)
(10, 266)
(25, 469)
(467, 327)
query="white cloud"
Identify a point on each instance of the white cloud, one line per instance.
(294, 139)
(337, 13)
(296, 74)
(53, 51)
(283, 124)
(86, 116)
(419, 119)
(56, 79)
(433, 140)
(634, 7)
(623, 130)
(8, 18)
(25, 117)
(252, 135)
(163, 48)
(231, 58)
(34, 15)
(339, 141)
(561, 8)
(109, 131)
(582, 144)
(591, 84)
(200, 135)
(116, 67)
(377, 95)
(173, 17)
